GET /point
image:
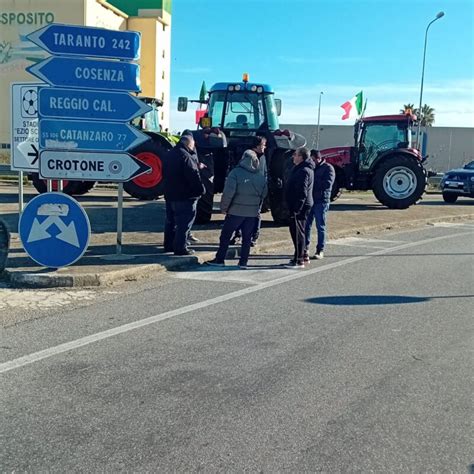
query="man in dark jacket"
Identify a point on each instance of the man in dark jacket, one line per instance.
(299, 198)
(324, 176)
(183, 187)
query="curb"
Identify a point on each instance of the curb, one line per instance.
(20, 279)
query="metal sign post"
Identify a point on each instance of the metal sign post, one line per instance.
(21, 203)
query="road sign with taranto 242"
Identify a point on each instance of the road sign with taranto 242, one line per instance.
(87, 107)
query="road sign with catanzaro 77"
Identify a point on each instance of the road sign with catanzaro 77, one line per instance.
(24, 126)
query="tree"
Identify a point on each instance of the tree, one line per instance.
(408, 108)
(427, 113)
(427, 116)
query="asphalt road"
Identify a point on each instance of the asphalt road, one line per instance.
(361, 363)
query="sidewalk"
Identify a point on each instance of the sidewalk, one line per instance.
(353, 214)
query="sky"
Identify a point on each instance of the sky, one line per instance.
(338, 47)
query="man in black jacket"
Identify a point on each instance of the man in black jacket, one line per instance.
(183, 188)
(324, 176)
(299, 198)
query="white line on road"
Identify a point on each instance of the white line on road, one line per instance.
(84, 341)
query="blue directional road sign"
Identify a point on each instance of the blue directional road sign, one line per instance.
(54, 230)
(88, 73)
(82, 135)
(87, 41)
(116, 167)
(90, 105)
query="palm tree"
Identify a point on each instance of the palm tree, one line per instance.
(427, 113)
(408, 108)
(427, 116)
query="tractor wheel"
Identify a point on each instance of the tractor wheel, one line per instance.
(69, 187)
(83, 187)
(279, 170)
(206, 201)
(336, 191)
(399, 182)
(205, 205)
(148, 186)
(450, 198)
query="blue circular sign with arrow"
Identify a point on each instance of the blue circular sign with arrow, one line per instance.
(54, 230)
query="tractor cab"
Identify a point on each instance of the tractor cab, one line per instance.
(375, 136)
(243, 108)
(150, 120)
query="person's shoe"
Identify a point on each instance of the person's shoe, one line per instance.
(306, 258)
(295, 265)
(215, 263)
(234, 241)
(253, 243)
(185, 252)
(319, 255)
(191, 238)
(243, 266)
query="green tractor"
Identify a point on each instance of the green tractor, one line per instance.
(235, 113)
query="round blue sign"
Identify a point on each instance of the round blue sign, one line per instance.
(54, 230)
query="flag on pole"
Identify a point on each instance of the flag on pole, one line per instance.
(203, 93)
(353, 106)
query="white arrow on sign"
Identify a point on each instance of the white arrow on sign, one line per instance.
(90, 165)
(39, 231)
(30, 153)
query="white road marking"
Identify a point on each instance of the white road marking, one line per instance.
(364, 242)
(232, 274)
(455, 225)
(295, 275)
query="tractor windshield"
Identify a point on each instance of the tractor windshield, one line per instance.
(384, 136)
(243, 110)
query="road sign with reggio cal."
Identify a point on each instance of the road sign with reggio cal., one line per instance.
(54, 230)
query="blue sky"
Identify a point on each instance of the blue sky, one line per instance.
(302, 47)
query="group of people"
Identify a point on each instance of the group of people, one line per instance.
(308, 193)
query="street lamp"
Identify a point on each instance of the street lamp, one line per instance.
(438, 16)
(319, 115)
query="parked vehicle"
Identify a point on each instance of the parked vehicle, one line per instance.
(235, 112)
(382, 159)
(458, 182)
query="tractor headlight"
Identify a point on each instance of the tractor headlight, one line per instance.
(253, 88)
(259, 89)
(230, 88)
(237, 87)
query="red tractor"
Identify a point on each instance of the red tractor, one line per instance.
(382, 159)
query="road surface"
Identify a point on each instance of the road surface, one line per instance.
(362, 362)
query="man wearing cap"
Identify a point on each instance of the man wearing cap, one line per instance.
(324, 176)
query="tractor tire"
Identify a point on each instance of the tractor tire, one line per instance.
(279, 171)
(336, 191)
(450, 198)
(206, 201)
(149, 186)
(399, 182)
(69, 187)
(83, 187)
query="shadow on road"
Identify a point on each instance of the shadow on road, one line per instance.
(367, 300)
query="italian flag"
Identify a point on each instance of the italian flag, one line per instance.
(353, 106)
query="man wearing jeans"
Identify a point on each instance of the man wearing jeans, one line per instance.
(183, 188)
(324, 176)
(244, 191)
